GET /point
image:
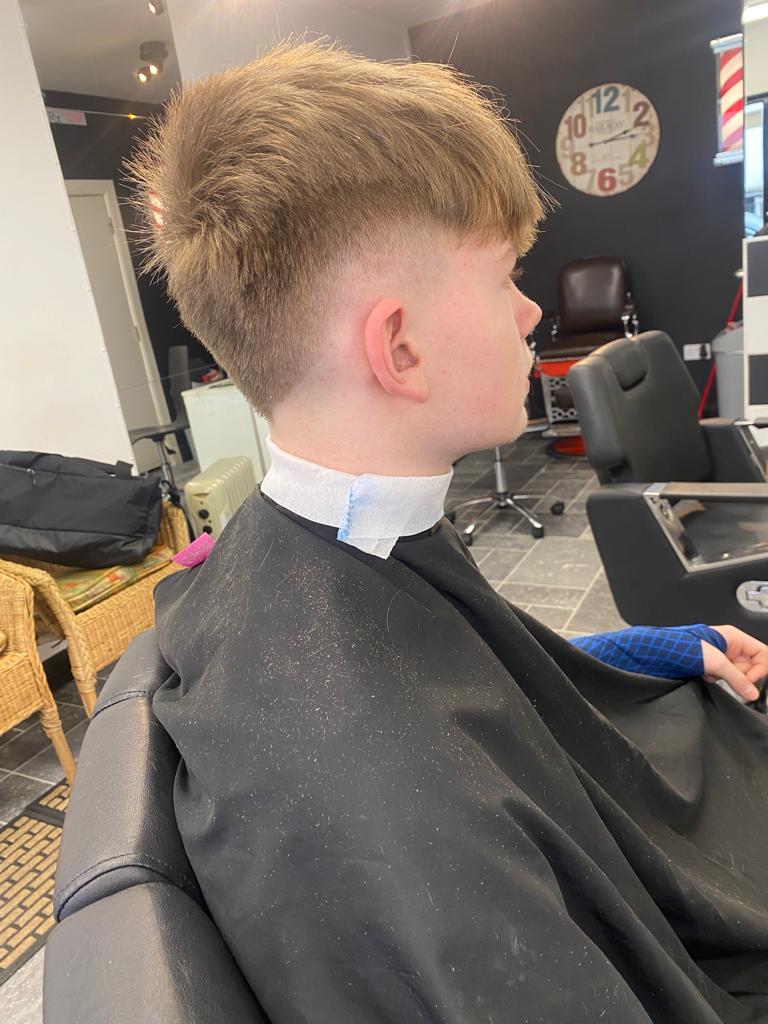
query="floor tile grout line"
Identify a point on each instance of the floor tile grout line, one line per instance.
(527, 553)
(581, 602)
(44, 749)
(549, 586)
(34, 778)
(517, 565)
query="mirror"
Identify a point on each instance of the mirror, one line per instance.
(755, 23)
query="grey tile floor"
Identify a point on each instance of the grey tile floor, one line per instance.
(558, 579)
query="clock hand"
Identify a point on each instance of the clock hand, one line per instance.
(613, 138)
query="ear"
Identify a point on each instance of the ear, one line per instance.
(394, 357)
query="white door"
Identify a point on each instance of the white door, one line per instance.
(134, 368)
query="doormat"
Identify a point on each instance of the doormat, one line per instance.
(29, 849)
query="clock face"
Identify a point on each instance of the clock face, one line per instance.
(608, 139)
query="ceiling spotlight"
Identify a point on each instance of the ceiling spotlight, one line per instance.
(143, 74)
(154, 51)
(156, 6)
(154, 69)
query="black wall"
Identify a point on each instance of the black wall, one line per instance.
(97, 150)
(680, 227)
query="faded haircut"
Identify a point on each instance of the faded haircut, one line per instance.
(256, 183)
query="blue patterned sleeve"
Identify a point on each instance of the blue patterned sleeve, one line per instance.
(671, 652)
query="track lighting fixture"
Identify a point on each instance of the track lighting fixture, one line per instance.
(152, 54)
(156, 6)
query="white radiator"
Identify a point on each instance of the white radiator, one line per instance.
(214, 495)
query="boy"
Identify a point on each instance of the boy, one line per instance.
(405, 801)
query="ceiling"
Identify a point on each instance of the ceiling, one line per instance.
(410, 12)
(92, 46)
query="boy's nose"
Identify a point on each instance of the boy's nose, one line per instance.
(532, 315)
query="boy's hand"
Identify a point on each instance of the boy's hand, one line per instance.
(744, 662)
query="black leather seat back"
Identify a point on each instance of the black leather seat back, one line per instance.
(591, 295)
(120, 829)
(638, 410)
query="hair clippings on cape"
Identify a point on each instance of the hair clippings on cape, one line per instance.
(196, 552)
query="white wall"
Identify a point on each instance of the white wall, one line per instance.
(57, 393)
(756, 57)
(211, 36)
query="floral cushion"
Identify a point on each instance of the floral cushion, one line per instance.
(83, 588)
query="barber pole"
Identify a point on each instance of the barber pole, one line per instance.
(730, 91)
(732, 98)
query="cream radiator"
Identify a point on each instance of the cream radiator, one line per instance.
(214, 495)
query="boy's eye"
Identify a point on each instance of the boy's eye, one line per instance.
(515, 274)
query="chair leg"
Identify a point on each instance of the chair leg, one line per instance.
(165, 467)
(51, 723)
(83, 672)
(87, 690)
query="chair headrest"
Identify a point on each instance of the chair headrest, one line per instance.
(628, 360)
(637, 406)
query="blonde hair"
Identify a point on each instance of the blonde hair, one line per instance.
(258, 180)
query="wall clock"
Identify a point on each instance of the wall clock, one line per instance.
(608, 139)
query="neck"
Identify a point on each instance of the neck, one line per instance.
(353, 449)
(369, 510)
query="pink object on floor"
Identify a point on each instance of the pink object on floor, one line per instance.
(196, 552)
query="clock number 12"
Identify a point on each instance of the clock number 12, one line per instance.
(610, 94)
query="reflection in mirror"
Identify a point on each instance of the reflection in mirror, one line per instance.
(754, 166)
(755, 22)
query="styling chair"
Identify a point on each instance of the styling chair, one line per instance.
(180, 380)
(500, 500)
(134, 943)
(594, 305)
(681, 521)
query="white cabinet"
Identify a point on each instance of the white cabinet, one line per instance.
(223, 424)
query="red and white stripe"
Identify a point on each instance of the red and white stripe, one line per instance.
(731, 99)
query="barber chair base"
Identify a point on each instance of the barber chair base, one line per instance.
(561, 415)
(500, 500)
(567, 448)
(496, 503)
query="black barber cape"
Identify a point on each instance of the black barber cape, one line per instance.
(405, 801)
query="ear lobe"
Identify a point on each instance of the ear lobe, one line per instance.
(394, 358)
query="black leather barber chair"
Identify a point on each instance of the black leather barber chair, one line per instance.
(134, 943)
(594, 305)
(692, 550)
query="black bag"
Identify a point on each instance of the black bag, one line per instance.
(75, 511)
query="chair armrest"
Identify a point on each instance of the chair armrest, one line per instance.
(148, 954)
(709, 491)
(121, 826)
(732, 450)
(17, 608)
(629, 319)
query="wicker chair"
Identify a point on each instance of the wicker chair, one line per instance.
(23, 686)
(95, 637)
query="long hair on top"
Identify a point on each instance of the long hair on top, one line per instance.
(254, 183)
